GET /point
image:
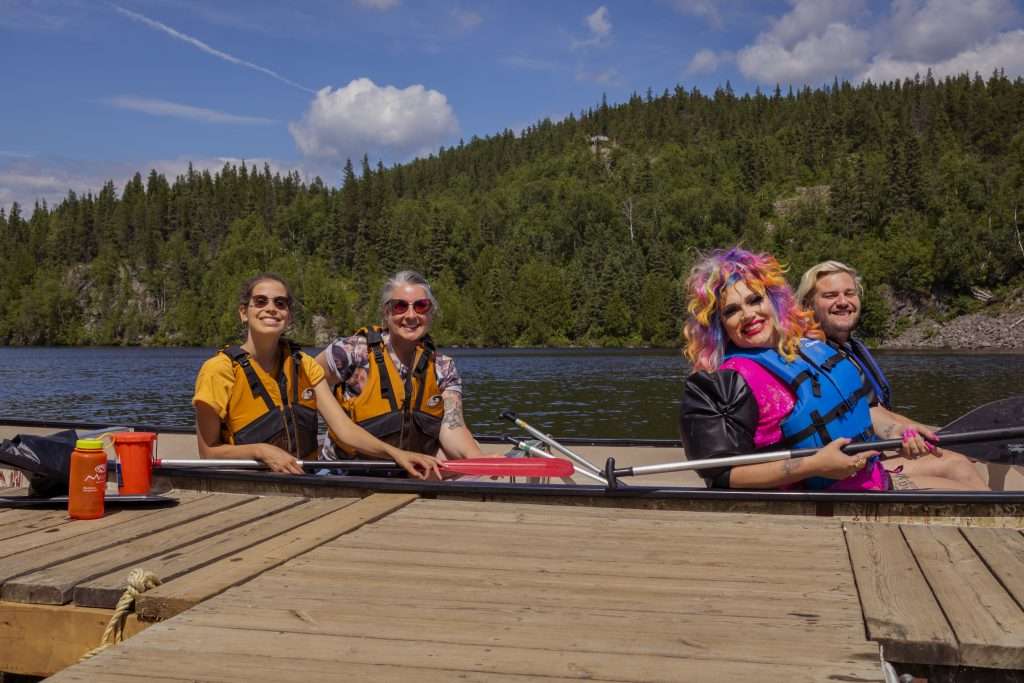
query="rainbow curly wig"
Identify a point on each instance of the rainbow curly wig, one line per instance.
(709, 278)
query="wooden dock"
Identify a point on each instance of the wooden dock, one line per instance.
(391, 587)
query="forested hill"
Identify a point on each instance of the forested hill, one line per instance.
(577, 232)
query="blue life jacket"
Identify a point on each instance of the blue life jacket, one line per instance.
(879, 382)
(831, 397)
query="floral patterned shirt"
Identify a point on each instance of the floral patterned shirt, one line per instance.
(349, 360)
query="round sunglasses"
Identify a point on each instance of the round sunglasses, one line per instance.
(401, 306)
(281, 303)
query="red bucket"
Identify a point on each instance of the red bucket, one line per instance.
(135, 456)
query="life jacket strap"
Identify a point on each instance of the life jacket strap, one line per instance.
(375, 341)
(819, 421)
(239, 355)
(804, 376)
(420, 369)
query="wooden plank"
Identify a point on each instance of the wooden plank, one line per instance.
(752, 583)
(55, 585)
(704, 561)
(1003, 552)
(605, 516)
(104, 533)
(798, 539)
(264, 655)
(290, 513)
(629, 621)
(145, 665)
(62, 532)
(731, 598)
(900, 611)
(987, 621)
(19, 522)
(165, 601)
(39, 640)
(537, 627)
(647, 548)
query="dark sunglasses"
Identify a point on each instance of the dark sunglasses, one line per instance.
(400, 306)
(281, 303)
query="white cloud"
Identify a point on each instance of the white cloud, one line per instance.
(599, 25)
(838, 50)
(381, 5)
(35, 15)
(152, 23)
(609, 76)
(810, 17)
(1006, 51)
(708, 9)
(936, 30)
(704, 62)
(817, 40)
(812, 42)
(366, 118)
(182, 111)
(466, 20)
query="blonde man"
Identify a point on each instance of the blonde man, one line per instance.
(832, 291)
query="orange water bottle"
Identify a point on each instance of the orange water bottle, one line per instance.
(88, 481)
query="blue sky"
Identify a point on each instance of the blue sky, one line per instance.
(97, 90)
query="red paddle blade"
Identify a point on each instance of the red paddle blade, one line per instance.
(509, 467)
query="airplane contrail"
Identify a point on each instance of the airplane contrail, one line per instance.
(152, 23)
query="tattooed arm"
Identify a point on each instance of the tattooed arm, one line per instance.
(456, 440)
(890, 425)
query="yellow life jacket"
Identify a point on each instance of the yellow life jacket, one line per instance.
(254, 417)
(404, 413)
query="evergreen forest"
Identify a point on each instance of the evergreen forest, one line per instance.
(577, 232)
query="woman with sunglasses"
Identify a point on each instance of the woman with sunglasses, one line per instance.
(391, 381)
(764, 379)
(260, 400)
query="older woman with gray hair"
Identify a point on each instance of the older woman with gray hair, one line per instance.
(392, 382)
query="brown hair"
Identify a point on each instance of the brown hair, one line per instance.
(246, 292)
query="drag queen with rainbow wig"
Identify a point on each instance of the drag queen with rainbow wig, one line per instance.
(764, 379)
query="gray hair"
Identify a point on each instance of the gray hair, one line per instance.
(805, 292)
(400, 279)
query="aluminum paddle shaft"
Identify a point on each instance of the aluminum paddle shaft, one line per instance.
(536, 433)
(850, 449)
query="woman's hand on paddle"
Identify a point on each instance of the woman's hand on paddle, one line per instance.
(831, 462)
(416, 464)
(277, 459)
(918, 441)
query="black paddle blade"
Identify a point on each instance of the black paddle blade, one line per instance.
(1009, 412)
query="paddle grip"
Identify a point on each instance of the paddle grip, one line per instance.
(611, 474)
(510, 415)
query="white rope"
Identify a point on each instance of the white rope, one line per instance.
(139, 581)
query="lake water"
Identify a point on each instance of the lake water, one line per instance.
(567, 392)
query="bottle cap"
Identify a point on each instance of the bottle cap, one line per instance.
(89, 444)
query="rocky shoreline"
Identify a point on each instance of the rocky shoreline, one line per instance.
(973, 332)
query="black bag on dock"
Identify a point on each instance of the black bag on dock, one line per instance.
(45, 459)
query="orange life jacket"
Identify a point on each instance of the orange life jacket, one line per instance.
(404, 413)
(254, 417)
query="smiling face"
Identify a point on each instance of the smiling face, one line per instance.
(408, 326)
(836, 305)
(748, 318)
(264, 313)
